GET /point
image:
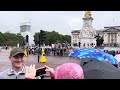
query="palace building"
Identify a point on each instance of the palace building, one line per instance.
(85, 36)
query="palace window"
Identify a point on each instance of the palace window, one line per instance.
(76, 37)
(73, 37)
(73, 41)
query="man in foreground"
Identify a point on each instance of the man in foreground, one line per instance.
(18, 68)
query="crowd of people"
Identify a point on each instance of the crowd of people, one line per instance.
(19, 70)
(58, 49)
(49, 51)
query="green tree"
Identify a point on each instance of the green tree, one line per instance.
(67, 38)
(12, 39)
(2, 39)
(52, 37)
(36, 38)
(20, 39)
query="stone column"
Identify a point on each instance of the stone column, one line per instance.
(109, 38)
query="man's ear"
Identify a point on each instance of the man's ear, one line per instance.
(9, 57)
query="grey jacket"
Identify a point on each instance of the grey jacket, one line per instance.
(8, 74)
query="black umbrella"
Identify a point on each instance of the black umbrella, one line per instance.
(95, 69)
(111, 52)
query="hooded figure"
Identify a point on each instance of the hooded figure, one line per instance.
(69, 71)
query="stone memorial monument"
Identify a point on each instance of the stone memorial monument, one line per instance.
(87, 33)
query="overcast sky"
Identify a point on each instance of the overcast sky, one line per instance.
(60, 21)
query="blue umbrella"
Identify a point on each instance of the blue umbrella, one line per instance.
(92, 53)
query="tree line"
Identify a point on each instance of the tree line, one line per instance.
(12, 39)
(52, 37)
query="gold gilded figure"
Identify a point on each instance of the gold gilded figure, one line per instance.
(88, 13)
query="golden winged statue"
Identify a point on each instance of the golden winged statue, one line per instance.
(88, 13)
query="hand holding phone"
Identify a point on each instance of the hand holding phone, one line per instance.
(50, 70)
(40, 71)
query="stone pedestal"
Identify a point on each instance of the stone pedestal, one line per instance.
(87, 33)
(88, 42)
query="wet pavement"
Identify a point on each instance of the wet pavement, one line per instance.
(51, 61)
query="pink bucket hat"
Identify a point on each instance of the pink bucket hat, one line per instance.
(69, 71)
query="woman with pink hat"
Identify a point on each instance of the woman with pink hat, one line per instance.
(66, 71)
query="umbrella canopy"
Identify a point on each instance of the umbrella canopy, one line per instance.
(92, 53)
(111, 52)
(95, 69)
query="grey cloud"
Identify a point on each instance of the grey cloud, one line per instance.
(60, 21)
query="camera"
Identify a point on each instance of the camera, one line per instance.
(40, 71)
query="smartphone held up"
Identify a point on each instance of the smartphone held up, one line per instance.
(40, 72)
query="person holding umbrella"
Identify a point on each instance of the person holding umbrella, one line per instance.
(93, 53)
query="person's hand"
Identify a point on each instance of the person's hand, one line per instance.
(50, 70)
(30, 72)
